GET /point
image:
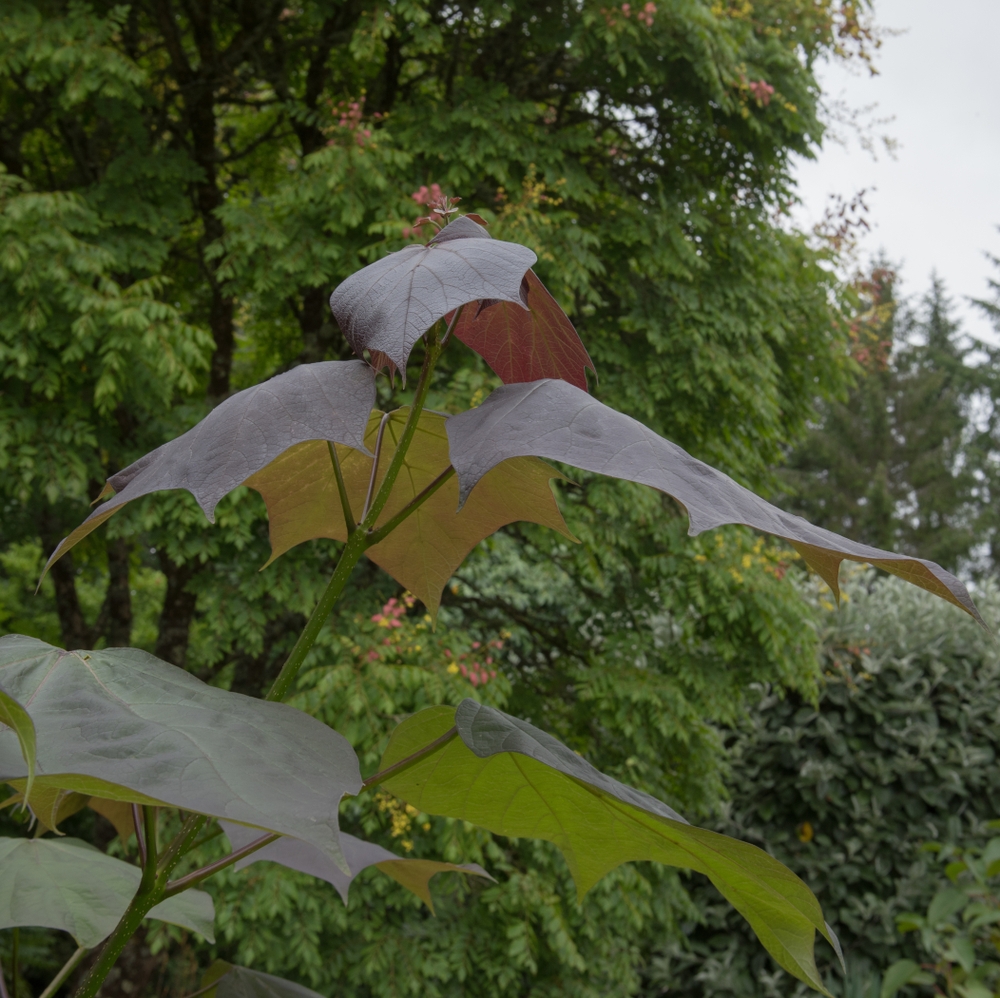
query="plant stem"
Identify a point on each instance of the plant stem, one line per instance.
(374, 536)
(181, 844)
(359, 540)
(67, 968)
(345, 502)
(410, 759)
(349, 557)
(139, 837)
(197, 876)
(150, 893)
(15, 959)
(375, 463)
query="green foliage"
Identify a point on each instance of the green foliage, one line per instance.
(900, 752)
(181, 194)
(68, 884)
(904, 460)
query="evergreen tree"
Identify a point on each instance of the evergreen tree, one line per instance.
(894, 464)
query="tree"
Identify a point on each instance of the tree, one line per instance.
(861, 792)
(118, 727)
(645, 162)
(897, 462)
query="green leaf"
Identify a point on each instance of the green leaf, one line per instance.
(15, 717)
(960, 950)
(67, 884)
(413, 874)
(507, 776)
(239, 982)
(945, 904)
(974, 989)
(424, 551)
(49, 804)
(122, 725)
(900, 973)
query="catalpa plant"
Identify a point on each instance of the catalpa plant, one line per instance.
(413, 490)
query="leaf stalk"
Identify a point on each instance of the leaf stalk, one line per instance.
(197, 876)
(67, 968)
(397, 767)
(375, 536)
(345, 502)
(359, 540)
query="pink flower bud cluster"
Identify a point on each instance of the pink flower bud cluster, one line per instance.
(761, 90)
(349, 115)
(479, 673)
(645, 15)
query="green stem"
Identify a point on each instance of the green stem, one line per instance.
(349, 557)
(197, 876)
(15, 960)
(358, 541)
(150, 894)
(374, 536)
(410, 759)
(345, 502)
(433, 351)
(67, 968)
(183, 843)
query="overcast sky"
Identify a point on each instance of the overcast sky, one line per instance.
(936, 205)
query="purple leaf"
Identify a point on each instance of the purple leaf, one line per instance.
(389, 305)
(414, 874)
(327, 401)
(552, 419)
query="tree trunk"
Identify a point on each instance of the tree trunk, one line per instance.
(177, 613)
(115, 620)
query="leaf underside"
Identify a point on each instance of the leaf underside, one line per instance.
(325, 401)
(413, 874)
(241, 982)
(15, 717)
(507, 776)
(554, 420)
(69, 885)
(121, 725)
(526, 346)
(424, 551)
(388, 305)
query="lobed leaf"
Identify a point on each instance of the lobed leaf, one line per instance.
(526, 346)
(15, 717)
(326, 401)
(507, 776)
(121, 725)
(413, 874)
(388, 305)
(424, 551)
(554, 420)
(50, 805)
(240, 982)
(69, 885)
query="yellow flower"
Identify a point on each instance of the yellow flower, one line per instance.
(453, 668)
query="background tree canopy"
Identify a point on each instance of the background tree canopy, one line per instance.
(183, 185)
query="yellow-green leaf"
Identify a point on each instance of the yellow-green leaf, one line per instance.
(513, 779)
(14, 716)
(423, 552)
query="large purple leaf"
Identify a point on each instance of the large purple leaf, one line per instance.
(552, 419)
(526, 346)
(326, 401)
(413, 874)
(386, 307)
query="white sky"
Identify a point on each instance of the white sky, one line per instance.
(936, 205)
